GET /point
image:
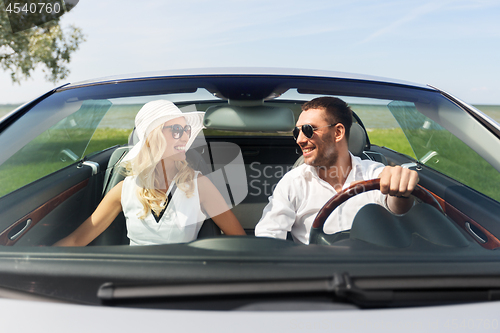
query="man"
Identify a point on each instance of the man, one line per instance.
(322, 133)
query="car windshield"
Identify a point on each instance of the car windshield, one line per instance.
(63, 154)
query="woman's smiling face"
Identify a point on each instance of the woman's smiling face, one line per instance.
(176, 148)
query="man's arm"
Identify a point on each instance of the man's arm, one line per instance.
(278, 216)
(398, 183)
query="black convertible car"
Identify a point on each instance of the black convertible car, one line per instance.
(60, 154)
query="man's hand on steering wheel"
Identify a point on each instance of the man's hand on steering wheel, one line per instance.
(398, 183)
(318, 236)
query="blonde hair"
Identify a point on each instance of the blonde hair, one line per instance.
(149, 178)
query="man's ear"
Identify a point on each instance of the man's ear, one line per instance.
(339, 132)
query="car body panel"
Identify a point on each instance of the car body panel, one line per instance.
(482, 317)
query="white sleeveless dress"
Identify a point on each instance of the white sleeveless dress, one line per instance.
(180, 222)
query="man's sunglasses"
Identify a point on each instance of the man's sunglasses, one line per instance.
(308, 130)
(178, 130)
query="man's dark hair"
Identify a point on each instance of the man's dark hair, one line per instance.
(336, 109)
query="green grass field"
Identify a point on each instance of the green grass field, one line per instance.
(105, 138)
(392, 138)
(34, 162)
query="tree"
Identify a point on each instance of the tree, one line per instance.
(47, 45)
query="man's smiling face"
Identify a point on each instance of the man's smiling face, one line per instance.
(319, 150)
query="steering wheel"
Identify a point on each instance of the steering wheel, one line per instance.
(318, 236)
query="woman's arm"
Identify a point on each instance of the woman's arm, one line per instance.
(99, 221)
(215, 205)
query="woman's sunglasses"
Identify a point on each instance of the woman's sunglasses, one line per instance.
(178, 130)
(308, 130)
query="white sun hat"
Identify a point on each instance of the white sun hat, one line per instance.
(156, 113)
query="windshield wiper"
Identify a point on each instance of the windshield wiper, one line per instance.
(362, 291)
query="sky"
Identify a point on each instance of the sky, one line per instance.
(451, 44)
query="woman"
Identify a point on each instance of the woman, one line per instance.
(162, 197)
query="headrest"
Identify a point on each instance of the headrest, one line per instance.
(132, 138)
(249, 118)
(357, 139)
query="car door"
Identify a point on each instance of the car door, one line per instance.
(47, 189)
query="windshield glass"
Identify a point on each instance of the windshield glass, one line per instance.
(55, 148)
(439, 149)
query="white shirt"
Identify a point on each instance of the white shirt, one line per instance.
(180, 222)
(300, 194)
